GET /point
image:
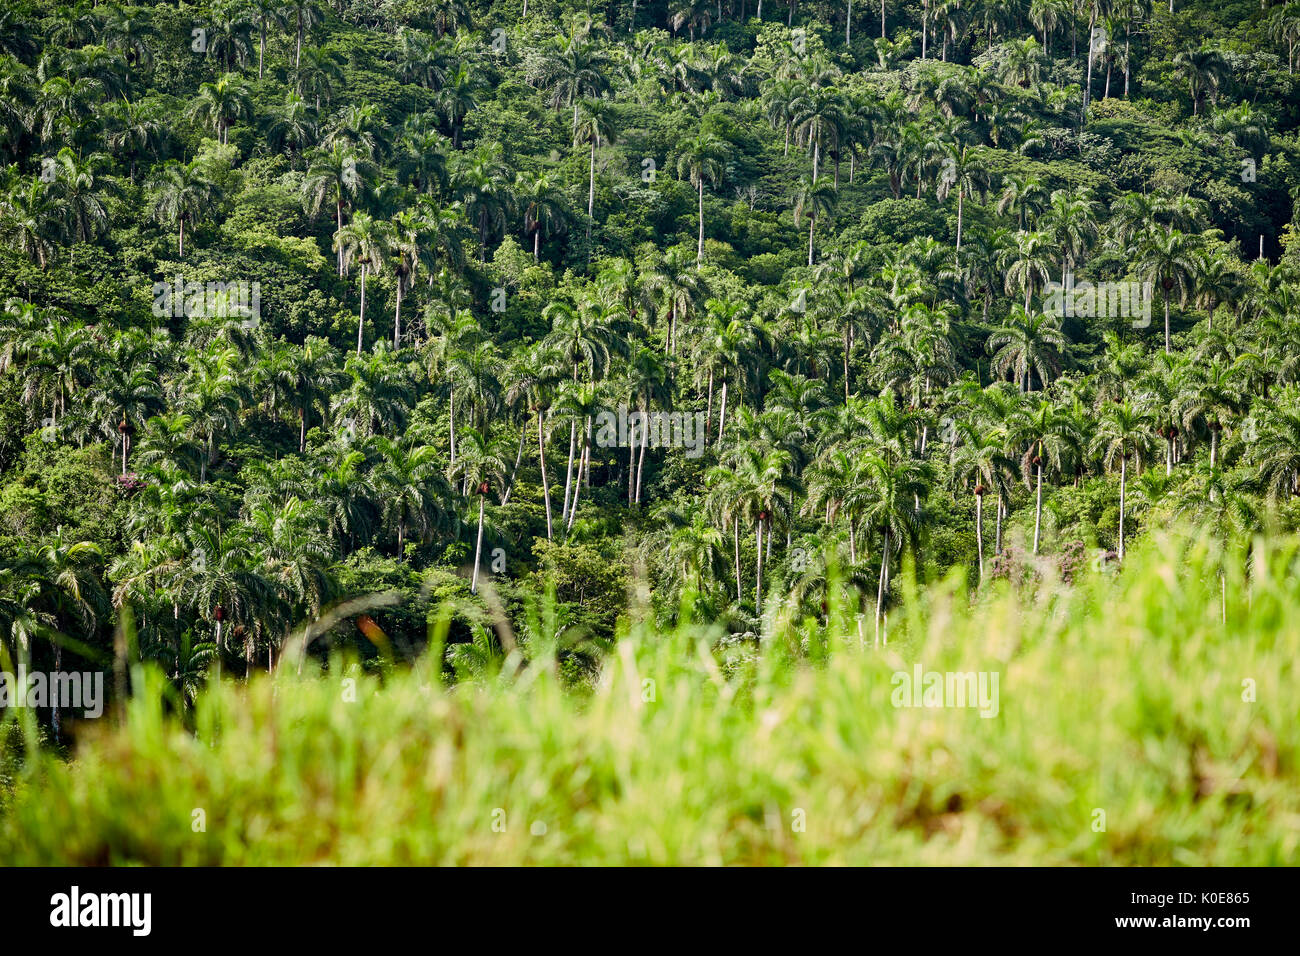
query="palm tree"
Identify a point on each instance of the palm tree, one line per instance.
(1027, 344)
(575, 69)
(305, 14)
(980, 461)
(543, 206)
(534, 381)
(812, 198)
(179, 195)
(381, 393)
(1028, 266)
(1204, 69)
(965, 171)
(336, 177)
(674, 283)
(763, 489)
(1171, 260)
(221, 103)
(411, 488)
(1124, 432)
(32, 217)
(1069, 223)
(702, 158)
(479, 467)
(817, 117)
(265, 14)
(1023, 196)
(458, 97)
(1048, 436)
(362, 242)
(890, 507)
(1275, 451)
(594, 124)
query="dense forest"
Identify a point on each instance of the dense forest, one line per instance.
(332, 315)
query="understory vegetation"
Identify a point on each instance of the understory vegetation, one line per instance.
(1144, 718)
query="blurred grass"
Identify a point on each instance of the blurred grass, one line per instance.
(1122, 694)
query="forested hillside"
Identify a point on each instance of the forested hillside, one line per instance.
(333, 315)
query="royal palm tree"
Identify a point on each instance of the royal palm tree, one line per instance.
(1123, 433)
(362, 242)
(812, 199)
(702, 158)
(479, 468)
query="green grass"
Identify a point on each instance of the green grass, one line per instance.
(1122, 694)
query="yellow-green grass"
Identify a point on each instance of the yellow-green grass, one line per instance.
(1127, 694)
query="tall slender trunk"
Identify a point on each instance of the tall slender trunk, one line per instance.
(997, 541)
(478, 548)
(699, 253)
(1123, 487)
(735, 527)
(1127, 32)
(640, 468)
(880, 587)
(722, 413)
(519, 457)
(568, 474)
(338, 219)
(584, 465)
(708, 414)
(451, 424)
(361, 323)
(960, 195)
(1166, 324)
(758, 585)
(1038, 507)
(546, 485)
(1087, 86)
(979, 531)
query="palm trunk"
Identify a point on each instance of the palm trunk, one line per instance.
(451, 425)
(758, 585)
(880, 587)
(722, 412)
(546, 485)
(519, 456)
(478, 548)
(361, 323)
(997, 540)
(584, 467)
(640, 468)
(1038, 507)
(960, 195)
(1123, 482)
(568, 474)
(338, 219)
(699, 254)
(1166, 324)
(397, 317)
(979, 531)
(735, 527)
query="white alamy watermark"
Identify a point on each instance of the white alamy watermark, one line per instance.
(67, 690)
(131, 910)
(654, 429)
(209, 300)
(923, 688)
(1117, 300)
